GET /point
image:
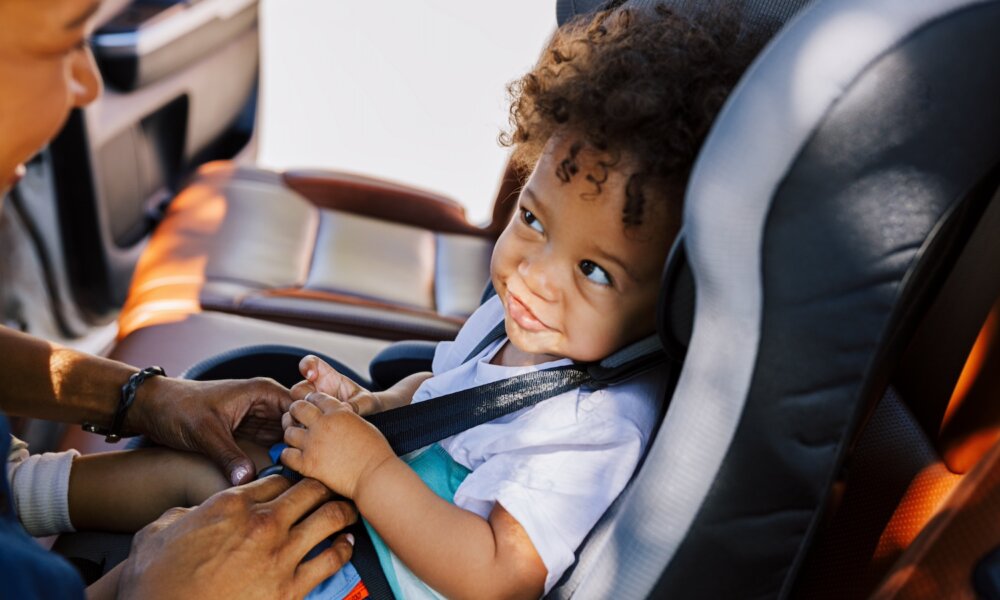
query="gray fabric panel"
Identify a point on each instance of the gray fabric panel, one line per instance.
(567, 9)
(758, 136)
(764, 16)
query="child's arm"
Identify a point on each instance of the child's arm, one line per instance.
(454, 551)
(126, 490)
(321, 377)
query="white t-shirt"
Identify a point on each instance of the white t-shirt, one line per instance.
(555, 466)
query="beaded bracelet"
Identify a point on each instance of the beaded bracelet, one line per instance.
(114, 433)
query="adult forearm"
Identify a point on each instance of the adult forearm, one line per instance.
(47, 381)
(454, 551)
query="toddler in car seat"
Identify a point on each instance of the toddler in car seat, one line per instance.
(608, 124)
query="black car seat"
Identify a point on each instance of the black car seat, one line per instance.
(834, 195)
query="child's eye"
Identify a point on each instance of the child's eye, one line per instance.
(595, 272)
(531, 220)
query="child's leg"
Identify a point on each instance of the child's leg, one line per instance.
(125, 491)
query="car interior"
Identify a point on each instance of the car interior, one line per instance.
(829, 314)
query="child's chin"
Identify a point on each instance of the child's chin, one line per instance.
(534, 343)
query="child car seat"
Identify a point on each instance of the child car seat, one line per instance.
(820, 220)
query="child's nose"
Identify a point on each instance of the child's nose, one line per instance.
(540, 276)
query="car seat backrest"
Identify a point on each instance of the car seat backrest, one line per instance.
(825, 209)
(762, 17)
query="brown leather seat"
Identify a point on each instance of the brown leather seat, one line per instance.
(324, 250)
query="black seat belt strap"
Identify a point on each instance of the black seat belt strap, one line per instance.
(412, 427)
(415, 426)
(499, 331)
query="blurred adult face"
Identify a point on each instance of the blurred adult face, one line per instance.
(46, 69)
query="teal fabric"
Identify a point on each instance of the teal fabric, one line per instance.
(443, 475)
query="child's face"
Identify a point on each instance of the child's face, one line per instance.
(572, 281)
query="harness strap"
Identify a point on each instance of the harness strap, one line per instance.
(412, 427)
(495, 334)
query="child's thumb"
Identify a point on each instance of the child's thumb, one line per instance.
(308, 367)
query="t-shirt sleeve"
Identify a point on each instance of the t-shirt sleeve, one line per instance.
(557, 490)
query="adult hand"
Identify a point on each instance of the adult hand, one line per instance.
(244, 542)
(203, 416)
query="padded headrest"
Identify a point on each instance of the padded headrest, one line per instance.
(763, 17)
(814, 226)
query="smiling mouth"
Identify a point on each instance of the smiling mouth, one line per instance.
(523, 316)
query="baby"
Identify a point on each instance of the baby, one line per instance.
(608, 124)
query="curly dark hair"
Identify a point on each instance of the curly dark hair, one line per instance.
(643, 85)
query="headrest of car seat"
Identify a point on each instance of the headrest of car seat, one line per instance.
(763, 17)
(676, 315)
(820, 220)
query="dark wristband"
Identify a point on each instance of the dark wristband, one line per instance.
(114, 433)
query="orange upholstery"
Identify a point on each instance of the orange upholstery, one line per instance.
(242, 241)
(901, 486)
(971, 423)
(940, 562)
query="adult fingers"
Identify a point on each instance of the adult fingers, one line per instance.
(168, 518)
(218, 444)
(310, 573)
(262, 490)
(304, 411)
(298, 500)
(327, 519)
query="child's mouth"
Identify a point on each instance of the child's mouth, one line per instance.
(523, 316)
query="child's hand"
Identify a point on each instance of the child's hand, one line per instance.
(328, 441)
(321, 377)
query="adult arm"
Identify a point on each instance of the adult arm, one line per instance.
(245, 542)
(47, 381)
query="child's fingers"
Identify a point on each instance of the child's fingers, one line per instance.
(325, 402)
(327, 379)
(302, 389)
(292, 458)
(295, 436)
(304, 411)
(307, 367)
(287, 420)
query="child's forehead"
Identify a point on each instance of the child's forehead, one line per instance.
(596, 182)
